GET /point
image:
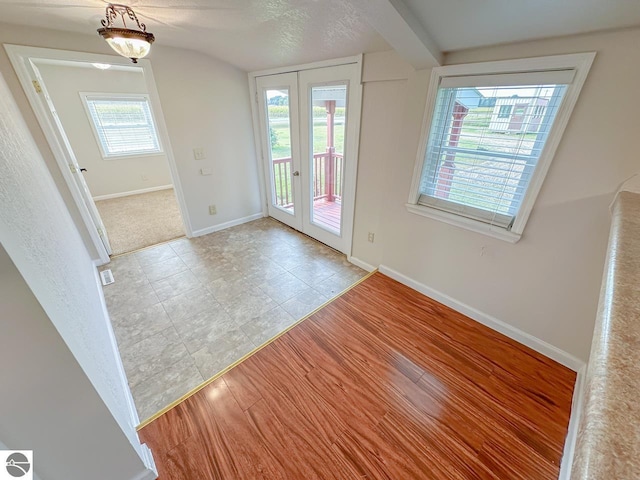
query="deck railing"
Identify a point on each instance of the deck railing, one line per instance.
(327, 178)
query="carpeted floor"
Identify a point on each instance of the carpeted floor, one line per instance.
(139, 221)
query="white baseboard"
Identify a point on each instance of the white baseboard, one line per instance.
(359, 263)
(222, 226)
(524, 338)
(132, 192)
(574, 422)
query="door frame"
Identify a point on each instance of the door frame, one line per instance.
(350, 190)
(294, 220)
(20, 57)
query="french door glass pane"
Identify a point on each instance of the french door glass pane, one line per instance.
(328, 118)
(279, 122)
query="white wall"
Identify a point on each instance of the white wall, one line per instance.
(104, 177)
(205, 103)
(51, 407)
(547, 284)
(71, 396)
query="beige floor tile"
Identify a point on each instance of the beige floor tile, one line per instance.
(123, 299)
(165, 387)
(154, 254)
(335, 284)
(283, 287)
(131, 328)
(153, 355)
(175, 285)
(313, 272)
(165, 268)
(243, 308)
(226, 288)
(226, 350)
(188, 304)
(266, 326)
(205, 328)
(186, 310)
(304, 303)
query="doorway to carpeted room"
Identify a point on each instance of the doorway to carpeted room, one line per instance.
(138, 221)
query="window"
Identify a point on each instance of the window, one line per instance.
(123, 124)
(481, 167)
(505, 111)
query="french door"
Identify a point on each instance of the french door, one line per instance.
(309, 124)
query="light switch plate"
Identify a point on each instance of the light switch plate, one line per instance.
(199, 153)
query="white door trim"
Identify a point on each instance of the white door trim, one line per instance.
(349, 75)
(20, 56)
(357, 115)
(290, 82)
(308, 66)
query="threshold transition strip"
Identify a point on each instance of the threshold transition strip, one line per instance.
(381, 383)
(242, 359)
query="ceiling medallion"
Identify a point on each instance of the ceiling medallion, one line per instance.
(130, 43)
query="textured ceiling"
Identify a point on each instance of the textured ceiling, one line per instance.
(459, 24)
(251, 34)
(259, 34)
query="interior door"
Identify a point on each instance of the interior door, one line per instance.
(309, 131)
(73, 166)
(279, 126)
(329, 114)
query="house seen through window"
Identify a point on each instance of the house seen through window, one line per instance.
(123, 125)
(489, 135)
(481, 155)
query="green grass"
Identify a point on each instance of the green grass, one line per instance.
(475, 135)
(282, 149)
(476, 121)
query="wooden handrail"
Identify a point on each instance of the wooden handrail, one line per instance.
(327, 175)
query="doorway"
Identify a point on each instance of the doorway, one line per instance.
(103, 121)
(309, 123)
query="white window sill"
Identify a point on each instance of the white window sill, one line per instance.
(463, 222)
(132, 155)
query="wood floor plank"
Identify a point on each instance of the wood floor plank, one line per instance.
(383, 383)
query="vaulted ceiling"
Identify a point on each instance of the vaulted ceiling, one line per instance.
(258, 34)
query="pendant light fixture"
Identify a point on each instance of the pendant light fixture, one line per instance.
(130, 43)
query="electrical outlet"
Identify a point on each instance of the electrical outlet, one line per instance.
(199, 153)
(212, 210)
(144, 177)
(371, 237)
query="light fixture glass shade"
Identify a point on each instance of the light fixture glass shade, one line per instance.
(133, 48)
(130, 43)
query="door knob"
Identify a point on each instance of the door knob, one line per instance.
(296, 173)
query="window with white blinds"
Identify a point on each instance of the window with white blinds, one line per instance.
(485, 142)
(489, 137)
(123, 125)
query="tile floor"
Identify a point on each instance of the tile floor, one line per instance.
(185, 310)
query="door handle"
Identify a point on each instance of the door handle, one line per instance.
(296, 173)
(83, 169)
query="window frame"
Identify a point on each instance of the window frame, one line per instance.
(579, 62)
(85, 96)
(507, 111)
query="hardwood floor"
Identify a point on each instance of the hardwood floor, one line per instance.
(383, 383)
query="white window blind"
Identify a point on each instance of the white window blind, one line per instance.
(485, 141)
(123, 125)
